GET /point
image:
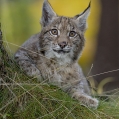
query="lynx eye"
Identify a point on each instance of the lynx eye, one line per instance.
(72, 34)
(54, 31)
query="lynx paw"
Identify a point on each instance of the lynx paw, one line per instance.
(86, 100)
(93, 102)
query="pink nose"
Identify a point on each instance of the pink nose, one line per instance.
(62, 44)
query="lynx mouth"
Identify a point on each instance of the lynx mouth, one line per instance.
(61, 51)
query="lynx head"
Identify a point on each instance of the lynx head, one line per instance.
(62, 38)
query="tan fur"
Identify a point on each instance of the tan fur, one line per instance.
(53, 58)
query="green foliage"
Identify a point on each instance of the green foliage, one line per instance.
(16, 21)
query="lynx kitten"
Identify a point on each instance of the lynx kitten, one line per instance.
(52, 54)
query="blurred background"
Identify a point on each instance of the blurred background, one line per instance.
(100, 58)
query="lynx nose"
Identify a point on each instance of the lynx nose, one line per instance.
(62, 44)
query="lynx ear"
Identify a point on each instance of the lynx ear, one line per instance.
(81, 19)
(47, 14)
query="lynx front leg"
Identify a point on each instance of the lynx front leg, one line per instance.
(29, 68)
(26, 64)
(79, 92)
(86, 99)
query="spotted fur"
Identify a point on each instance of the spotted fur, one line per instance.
(52, 54)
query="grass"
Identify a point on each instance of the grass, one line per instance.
(25, 101)
(22, 97)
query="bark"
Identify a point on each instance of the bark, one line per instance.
(4, 57)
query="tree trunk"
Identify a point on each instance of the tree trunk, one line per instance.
(5, 60)
(107, 54)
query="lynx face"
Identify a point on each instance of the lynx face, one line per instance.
(62, 37)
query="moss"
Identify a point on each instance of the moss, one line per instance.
(27, 99)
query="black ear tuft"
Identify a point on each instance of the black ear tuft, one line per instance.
(81, 18)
